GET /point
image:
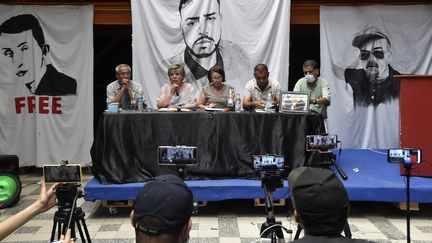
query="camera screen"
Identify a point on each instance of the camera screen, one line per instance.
(177, 155)
(404, 156)
(62, 173)
(268, 162)
(321, 142)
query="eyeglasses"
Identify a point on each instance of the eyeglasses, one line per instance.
(364, 55)
(217, 78)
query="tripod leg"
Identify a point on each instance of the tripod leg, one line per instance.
(86, 230)
(347, 230)
(83, 239)
(279, 232)
(297, 234)
(59, 228)
(53, 231)
(80, 229)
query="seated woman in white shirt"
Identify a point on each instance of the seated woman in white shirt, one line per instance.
(177, 93)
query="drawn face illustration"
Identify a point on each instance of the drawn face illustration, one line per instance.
(27, 57)
(375, 57)
(201, 26)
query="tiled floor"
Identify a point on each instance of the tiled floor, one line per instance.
(228, 221)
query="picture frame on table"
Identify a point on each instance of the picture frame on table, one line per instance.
(294, 102)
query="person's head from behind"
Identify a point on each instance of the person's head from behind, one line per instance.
(375, 54)
(176, 74)
(319, 199)
(261, 75)
(310, 70)
(123, 72)
(201, 26)
(27, 48)
(216, 75)
(162, 211)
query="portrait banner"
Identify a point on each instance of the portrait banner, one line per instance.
(46, 83)
(199, 34)
(362, 48)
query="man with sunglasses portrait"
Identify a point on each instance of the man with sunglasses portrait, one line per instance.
(373, 84)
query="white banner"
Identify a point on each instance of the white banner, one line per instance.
(361, 49)
(238, 34)
(46, 83)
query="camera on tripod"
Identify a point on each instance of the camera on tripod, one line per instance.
(271, 169)
(321, 143)
(68, 214)
(404, 155)
(177, 157)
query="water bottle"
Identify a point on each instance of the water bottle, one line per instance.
(140, 100)
(238, 103)
(230, 101)
(268, 103)
(132, 102)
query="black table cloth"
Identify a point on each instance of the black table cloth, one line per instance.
(125, 149)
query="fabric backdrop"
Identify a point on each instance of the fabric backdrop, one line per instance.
(409, 30)
(254, 31)
(55, 121)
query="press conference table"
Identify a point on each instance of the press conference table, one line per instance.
(126, 144)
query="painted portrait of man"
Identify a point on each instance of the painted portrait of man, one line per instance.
(373, 84)
(28, 52)
(204, 47)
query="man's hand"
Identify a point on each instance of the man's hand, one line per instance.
(125, 84)
(66, 238)
(259, 104)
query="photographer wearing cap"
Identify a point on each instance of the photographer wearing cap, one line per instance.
(320, 204)
(162, 211)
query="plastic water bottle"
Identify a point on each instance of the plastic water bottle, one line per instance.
(238, 103)
(140, 100)
(133, 103)
(268, 103)
(230, 101)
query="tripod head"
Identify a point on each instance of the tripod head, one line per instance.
(326, 159)
(66, 194)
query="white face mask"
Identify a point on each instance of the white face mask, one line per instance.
(310, 78)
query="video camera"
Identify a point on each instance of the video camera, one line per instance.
(404, 155)
(321, 142)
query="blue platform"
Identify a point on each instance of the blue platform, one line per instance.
(371, 178)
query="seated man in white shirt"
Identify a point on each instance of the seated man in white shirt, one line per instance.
(123, 89)
(260, 88)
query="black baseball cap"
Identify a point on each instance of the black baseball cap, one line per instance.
(320, 198)
(371, 33)
(163, 206)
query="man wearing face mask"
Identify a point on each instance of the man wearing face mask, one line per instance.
(373, 84)
(317, 87)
